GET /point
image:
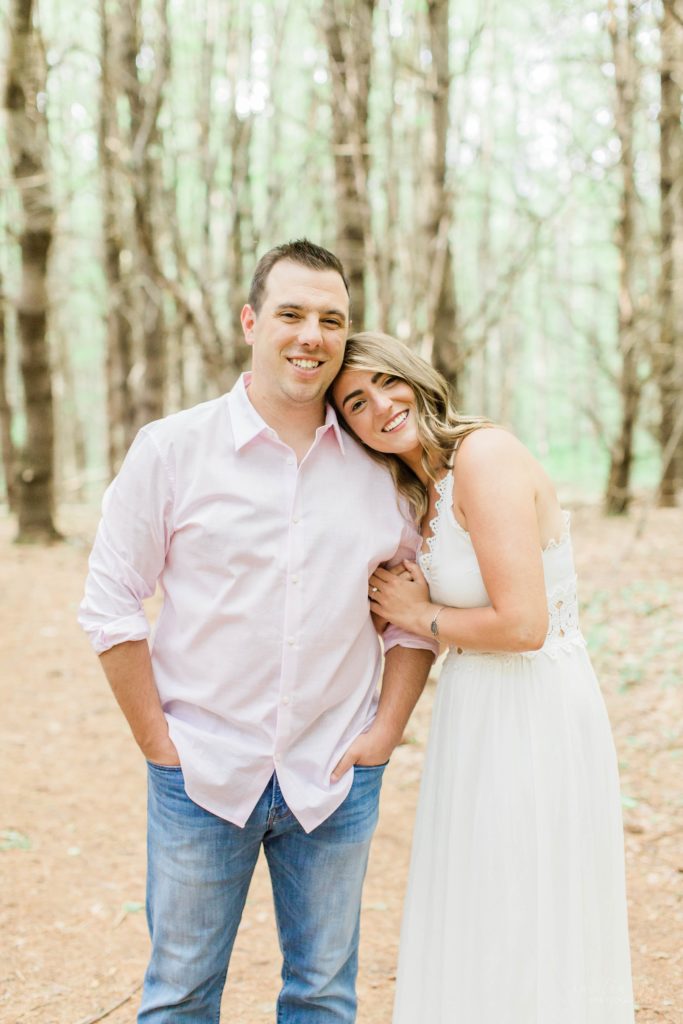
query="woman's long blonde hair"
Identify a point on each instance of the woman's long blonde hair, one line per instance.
(439, 427)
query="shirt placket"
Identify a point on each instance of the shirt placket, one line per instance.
(292, 623)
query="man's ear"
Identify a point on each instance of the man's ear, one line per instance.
(248, 319)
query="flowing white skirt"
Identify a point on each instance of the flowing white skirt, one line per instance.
(516, 911)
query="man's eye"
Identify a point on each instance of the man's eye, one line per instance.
(332, 323)
(288, 316)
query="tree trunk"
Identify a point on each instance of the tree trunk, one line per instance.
(441, 306)
(617, 496)
(239, 132)
(144, 101)
(119, 343)
(28, 145)
(348, 31)
(669, 351)
(6, 442)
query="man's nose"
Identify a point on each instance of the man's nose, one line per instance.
(310, 333)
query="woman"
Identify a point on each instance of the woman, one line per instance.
(515, 911)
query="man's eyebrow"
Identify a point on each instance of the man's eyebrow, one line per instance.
(296, 305)
(359, 391)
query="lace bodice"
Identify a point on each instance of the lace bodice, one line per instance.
(450, 565)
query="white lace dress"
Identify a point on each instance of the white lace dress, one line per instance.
(515, 911)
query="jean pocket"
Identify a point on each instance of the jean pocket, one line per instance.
(370, 767)
(165, 767)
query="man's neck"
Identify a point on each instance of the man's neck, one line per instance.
(294, 425)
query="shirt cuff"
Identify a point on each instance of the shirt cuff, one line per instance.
(102, 638)
(395, 637)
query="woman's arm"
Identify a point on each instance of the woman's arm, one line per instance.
(496, 495)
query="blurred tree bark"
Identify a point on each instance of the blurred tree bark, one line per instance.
(669, 351)
(27, 137)
(440, 287)
(238, 142)
(349, 36)
(117, 253)
(130, 159)
(623, 39)
(8, 452)
(144, 92)
(391, 242)
(183, 263)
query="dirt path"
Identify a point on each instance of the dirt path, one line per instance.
(72, 818)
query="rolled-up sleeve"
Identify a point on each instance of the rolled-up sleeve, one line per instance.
(392, 635)
(130, 547)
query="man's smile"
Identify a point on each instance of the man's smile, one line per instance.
(304, 363)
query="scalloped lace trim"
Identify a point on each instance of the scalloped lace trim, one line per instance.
(442, 489)
(563, 633)
(564, 536)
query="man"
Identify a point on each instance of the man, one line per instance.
(257, 711)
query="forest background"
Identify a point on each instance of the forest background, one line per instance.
(504, 183)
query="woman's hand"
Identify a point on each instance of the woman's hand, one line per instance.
(396, 570)
(401, 595)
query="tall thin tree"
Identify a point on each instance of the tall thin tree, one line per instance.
(348, 32)
(439, 283)
(669, 350)
(27, 136)
(622, 31)
(121, 417)
(6, 440)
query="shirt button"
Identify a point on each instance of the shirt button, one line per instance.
(295, 579)
(285, 700)
(291, 641)
(290, 461)
(295, 519)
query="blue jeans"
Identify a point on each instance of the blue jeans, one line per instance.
(199, 870)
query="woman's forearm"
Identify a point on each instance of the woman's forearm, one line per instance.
(483, 629)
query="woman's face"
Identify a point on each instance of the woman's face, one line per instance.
(379, 409)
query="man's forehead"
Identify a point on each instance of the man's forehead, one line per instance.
(294, 283)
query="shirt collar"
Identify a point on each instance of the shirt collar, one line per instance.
(248, 424)
(332, 422)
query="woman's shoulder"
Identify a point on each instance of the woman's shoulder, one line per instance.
(488, 445)
(491, 460)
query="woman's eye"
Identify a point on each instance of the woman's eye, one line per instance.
(355, 406)
(389, 380)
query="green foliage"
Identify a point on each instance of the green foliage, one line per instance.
(533, 171)
(12, 840)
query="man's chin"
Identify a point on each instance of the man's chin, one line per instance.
(306, 392)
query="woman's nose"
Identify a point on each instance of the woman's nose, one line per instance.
(381, 402)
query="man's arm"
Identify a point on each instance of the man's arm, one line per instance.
(128, 667)
(405, 674)
(125, 563)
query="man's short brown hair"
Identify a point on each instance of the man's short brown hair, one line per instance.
(300, 251)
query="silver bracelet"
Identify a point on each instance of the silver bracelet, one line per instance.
(434, 626)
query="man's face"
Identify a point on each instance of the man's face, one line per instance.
(298, 335)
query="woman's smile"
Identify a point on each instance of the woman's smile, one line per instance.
(396, 422)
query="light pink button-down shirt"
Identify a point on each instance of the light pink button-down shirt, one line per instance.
(264, 654)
